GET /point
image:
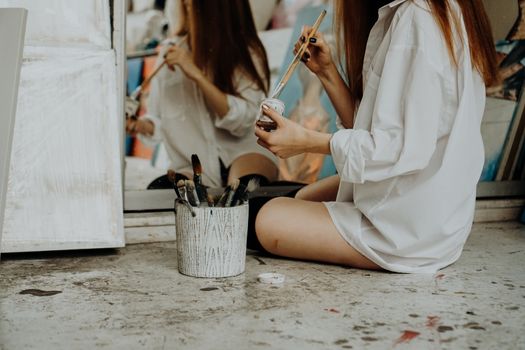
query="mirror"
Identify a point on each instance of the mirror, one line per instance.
(150, 25)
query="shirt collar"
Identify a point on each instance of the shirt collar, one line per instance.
(394, 4)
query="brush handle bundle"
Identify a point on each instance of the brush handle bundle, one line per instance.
(193, 193)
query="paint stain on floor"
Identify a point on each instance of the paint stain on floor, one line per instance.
(407, 336)
(40, 293)
(432, 321)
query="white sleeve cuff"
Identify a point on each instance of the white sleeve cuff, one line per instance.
(240, 117)
(156, 138)
(347, 152)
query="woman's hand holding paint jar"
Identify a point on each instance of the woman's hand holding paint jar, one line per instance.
(179, 56)
(290, 138)
(317, 56)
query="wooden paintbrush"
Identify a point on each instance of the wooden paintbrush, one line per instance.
(181, 186)
(192, 193)
(172, 176)
(136, 93)
(221, 202)
(244, 190)
(202, 192)
(234, 186)
(297, 57)
(182, 190)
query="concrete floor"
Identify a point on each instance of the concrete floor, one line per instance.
(134, 298)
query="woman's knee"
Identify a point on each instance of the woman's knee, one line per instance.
(254, 163)
(268, 220)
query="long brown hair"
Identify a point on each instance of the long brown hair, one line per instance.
(357, 17)
(223, 39)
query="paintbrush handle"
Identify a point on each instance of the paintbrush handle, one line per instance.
(298, 55)
(154, 73)
(187, 205)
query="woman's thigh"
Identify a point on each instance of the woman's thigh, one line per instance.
(253, 163)
(324, 190)
(304, 230)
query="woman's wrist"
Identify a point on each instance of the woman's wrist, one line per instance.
(329, 74)
(317, 142)
(200, 79)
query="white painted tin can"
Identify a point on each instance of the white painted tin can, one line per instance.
(213, 243)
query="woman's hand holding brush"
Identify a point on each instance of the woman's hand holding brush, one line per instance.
(317, 56)
(180, 56)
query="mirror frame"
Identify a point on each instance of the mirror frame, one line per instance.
(13, 23)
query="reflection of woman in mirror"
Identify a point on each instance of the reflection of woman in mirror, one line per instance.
(409, 152)
(208, 100)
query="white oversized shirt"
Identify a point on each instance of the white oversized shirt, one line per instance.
(177, 108)
(410, 165)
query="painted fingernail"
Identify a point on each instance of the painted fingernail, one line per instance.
(265, 107)
(313, 40)
(306, 56)
(303, 39)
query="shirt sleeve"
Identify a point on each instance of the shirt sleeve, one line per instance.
(243, 109)
(406, 104)
(153, 114)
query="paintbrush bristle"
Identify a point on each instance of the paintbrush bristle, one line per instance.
(196, 164)
(211, 202)
(252, 185)
(191, 193)
(235, 184)
(172, 176)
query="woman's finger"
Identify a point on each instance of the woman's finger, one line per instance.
(296, 48)
(305, 31)
(318, 41)
(273, 115)
(262, 134)
(263, 144)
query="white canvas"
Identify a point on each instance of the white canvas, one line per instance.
(81, 23)
(64, 190)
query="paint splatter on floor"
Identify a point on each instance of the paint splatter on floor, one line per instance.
(335, 311)
(443, 329)
(40, 293)
(432, 321)
(407, 336)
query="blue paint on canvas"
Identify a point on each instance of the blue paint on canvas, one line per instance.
(294, 91)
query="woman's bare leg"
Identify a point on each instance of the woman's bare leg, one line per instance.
(253, 163)
(324, 190)
(304, 230)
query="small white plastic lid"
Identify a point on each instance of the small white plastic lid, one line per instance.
(271, 278)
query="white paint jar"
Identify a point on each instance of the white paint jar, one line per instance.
(213, 243)
(265, 122)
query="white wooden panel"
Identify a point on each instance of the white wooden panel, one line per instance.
(12, 29)
(64, 189)
(59, 22)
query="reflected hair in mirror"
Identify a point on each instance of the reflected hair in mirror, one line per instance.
(223, 39)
